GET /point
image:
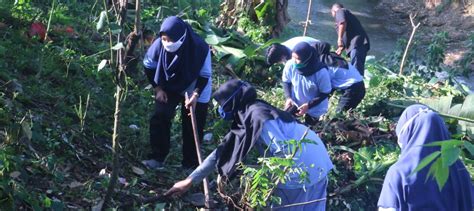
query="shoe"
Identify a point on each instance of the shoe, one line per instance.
(153, 164)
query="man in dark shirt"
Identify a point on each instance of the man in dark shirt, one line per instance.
(350, 36)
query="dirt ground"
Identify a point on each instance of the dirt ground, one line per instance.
(453, 16)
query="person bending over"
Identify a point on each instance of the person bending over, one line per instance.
(257, 124)
(281, 53)
(306, 84)
(344, 77)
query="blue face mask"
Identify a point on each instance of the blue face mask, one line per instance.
(227, 115)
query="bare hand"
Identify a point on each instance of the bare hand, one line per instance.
(289, 102)
(160, 95)
(303, 109)
(339, 50)
(179, 188)
(191, 101)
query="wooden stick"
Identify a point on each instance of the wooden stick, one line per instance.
(307, 18)
(409, 42)
(198, 152)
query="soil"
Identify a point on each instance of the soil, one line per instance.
(453, 16)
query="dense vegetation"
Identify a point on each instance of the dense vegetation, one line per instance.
(57, 106)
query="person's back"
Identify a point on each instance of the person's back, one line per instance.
(291, 43)
(281, 53)
(405, 190)
(355, 33)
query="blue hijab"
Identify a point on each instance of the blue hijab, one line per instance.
(309, 58)
(176, 71)
(418, 125)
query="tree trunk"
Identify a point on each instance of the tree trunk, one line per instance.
(281, 18)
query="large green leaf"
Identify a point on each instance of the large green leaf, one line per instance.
(449, 154)
(467, 109)
(442, 104)
(213, 39)
(469, 147)
(427, 160)
(441, 173)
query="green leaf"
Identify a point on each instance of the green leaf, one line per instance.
(469, 147)
(449, 154)
(102, 19)
(427, 160)
(441, 104)
(441, 174)
(467, 109)
(213, 39)
(447, 143)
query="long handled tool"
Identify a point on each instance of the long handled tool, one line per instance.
(198, 151)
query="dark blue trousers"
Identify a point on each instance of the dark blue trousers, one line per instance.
(358, 55)
(351, 97)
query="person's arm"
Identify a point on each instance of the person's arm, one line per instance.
(341, 25)
(150, 62)
(341, 28)
(204, 75)
(206, 168)
(287, 89)
(195, 177)
(317, 100)
(323, 82)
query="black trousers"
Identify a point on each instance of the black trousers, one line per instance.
(358, 58)
(351, 97)
(160, 128)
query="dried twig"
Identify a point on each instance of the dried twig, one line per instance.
(414, 27)
(307, 22)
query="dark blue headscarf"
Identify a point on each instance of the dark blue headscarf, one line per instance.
(418, 125)
(329, 58)
(309, 57)
(176, 71)
(249, 115)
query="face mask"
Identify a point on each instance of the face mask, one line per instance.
(173, 46)
(227, 115)
(299, 66)
(304, 63)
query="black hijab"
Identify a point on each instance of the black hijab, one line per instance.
(249, 115)
(329, 58)
(176, 71)
(308, 56)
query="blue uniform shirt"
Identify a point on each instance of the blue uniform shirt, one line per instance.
(306, 88)
(342, 78)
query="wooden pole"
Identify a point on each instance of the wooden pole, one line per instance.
(306, 23)
(414, 27)
(198, 152)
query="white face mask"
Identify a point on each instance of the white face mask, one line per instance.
(173, 46)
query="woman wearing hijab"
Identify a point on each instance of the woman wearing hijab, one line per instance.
(177, 63)
(306, 84)
(255, 123)
(344, 78)
(402, 190)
